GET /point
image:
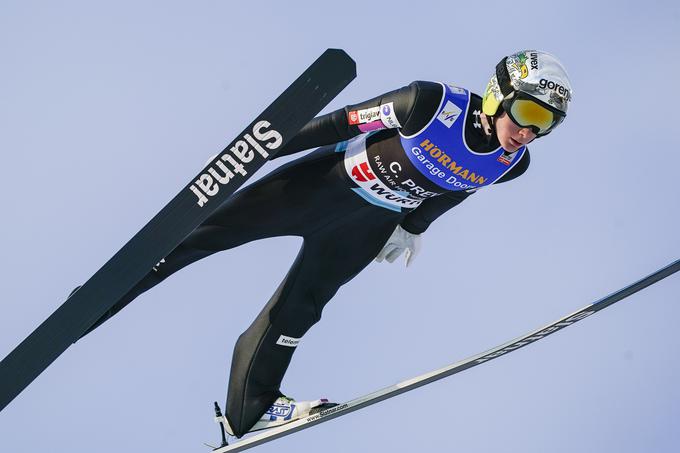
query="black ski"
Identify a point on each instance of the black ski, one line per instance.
(270, 131)
(411, 384)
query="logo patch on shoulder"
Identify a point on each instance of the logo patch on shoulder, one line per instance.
(364, 116)
(449, 114)
(388, 117)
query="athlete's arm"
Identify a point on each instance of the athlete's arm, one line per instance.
(410, 108)
(418, 220)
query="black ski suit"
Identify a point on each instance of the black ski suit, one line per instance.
(311, 197)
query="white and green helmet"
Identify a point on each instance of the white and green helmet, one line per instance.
(531, 73)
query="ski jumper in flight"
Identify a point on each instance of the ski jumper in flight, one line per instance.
(383, 170)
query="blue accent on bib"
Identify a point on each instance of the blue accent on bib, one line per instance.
(439, 150)
(341, 147)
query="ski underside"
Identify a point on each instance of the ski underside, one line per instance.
(221, 177)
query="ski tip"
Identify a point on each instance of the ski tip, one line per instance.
(341, 58)
(338, 53)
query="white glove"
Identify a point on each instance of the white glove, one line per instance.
(401, 241)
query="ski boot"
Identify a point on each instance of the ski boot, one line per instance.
(283, 410)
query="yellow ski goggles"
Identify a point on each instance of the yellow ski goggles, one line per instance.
(527, 111)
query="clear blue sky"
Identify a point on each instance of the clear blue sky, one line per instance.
(108, 108)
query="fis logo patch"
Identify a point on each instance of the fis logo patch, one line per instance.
(449, 114)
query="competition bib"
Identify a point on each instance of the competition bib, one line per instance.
(439, 150)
